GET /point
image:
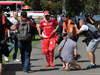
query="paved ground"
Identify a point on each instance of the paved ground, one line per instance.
(38, 63)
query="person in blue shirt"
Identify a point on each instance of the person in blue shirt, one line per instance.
(60, 21)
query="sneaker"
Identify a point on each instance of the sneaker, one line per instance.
(91, 66)
(6, 58)
(62, 68)
(17, 60)
(29, 69)
(95, 65)
(25, 72)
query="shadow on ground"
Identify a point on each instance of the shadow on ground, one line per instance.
(10, 69)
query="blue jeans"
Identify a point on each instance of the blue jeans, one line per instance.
(25, 49)
(14, 43)
(60, 29)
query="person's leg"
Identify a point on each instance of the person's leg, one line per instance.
(11, 45)
(16, 49)
(60, 30)
(91, 56)
(52, 45)
(67, 67)
(63, 64)
(22, 54)
(10, 49)
(47, 58)
(28, 49)
(75, 65)
(51, 57)
(90, 51)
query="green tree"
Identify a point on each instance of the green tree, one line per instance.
(53, 6)
(92, 6)
(74, 7)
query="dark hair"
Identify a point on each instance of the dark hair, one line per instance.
(64, 34)
(24, 14)
(1, 9)
(65, 15)
(70, 35)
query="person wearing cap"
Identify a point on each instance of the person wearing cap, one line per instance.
(68, 26)
(48, 35)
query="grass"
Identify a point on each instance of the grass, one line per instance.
(36, 41)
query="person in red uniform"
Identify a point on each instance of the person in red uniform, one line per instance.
(49, 37)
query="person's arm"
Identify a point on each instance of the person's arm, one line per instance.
(71, 30)
(39, 30)
(56, 23)
(99, 25)
(75, 52)
(64, 30)
(59, 20)
(78, 30)
(64, 27)
(61, 45)
(9, 25)
(56, 28)
(92, 21)
(8, 32)
(13, 28)
(59, 49)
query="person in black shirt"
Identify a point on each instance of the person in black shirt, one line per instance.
(4, 23)
(89, 19)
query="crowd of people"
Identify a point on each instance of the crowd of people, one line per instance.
(24, 30)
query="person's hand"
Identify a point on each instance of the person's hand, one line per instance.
(75, 25)
(8, 35)
(89, 17)
(54, 30)
(43, 36)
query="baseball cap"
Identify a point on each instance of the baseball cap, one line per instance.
(46, 12)
(65, 15)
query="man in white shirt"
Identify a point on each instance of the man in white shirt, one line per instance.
(92, 44)
(14, 42)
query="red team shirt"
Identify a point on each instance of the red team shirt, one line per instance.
(48, 26)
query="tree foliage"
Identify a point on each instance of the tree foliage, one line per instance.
(73, 7)
(92, 6)
(52, 6)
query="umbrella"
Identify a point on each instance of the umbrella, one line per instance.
(26, 7)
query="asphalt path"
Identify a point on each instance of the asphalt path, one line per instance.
(38, 63)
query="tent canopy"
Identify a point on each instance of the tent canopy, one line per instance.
(26, 7)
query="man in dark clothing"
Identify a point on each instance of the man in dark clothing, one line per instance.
(4, 23)
(89, 18)
(25, 46)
